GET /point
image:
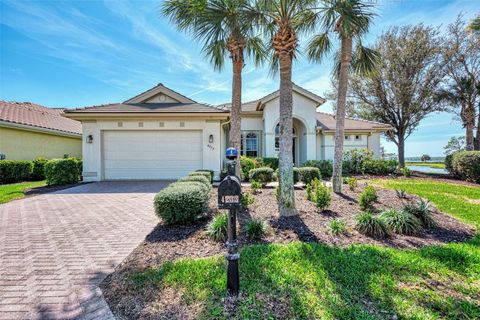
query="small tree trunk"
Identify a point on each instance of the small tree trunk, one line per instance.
(286, 196)
(469, 125)
(340, 116)
(235, 120)
(401, 152)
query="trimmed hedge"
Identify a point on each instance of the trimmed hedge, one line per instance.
(308, 174)
(205, 174)
(212, 173)
(271, 162)
(15, 170)
(196, 183)
(181, 203)
(246, 164)
(38, 172)
(263, 174)
(198, 178)
(61, 171)
(466, 165)
(379, 167)
(325, 166)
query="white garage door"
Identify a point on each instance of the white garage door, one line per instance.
(149, 155)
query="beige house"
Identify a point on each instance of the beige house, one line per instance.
(28, 130)
(161, 134)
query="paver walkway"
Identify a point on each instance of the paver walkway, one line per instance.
(56, 248)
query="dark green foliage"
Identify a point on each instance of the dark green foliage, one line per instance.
(15, 170)
(466, 164)
(271, 162)
(79, 163)
(367, 198)
(246, 164)
(38, 172)
(61, 171)
(347, 168)
(263, 175)
(308, 174)
(448, 163)
(323, 196)
(181, 203)
(325, 166)
(247, 200)
(212, 173)
(356, 159)
(256, 228)
(296, 175)
(379, 167)
(422, 212)
(370, 225)
(217, 228)
(338, 227)
(401, 222)
(206, 174)
(198, 178)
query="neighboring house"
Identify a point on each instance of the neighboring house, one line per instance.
(28, 130)
(161, 134)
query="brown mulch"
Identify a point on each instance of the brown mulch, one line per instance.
(166, 243)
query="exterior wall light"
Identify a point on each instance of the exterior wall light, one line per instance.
(210, 138)
(89, 139)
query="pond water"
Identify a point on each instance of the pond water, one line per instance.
(427, 169)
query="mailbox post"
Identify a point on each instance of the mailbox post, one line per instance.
(229, 195)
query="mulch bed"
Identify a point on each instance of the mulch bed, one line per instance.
(166, 243)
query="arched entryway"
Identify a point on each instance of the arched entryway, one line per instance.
(299, 150)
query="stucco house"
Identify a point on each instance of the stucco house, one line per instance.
(29, 130)
(161, 134)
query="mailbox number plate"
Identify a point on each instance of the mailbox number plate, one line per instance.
(231, 199)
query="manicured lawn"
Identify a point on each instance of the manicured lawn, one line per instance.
(9, 192)
(437, 165)
(316, 281)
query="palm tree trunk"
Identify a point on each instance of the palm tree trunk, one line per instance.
(235, 120)
(285, 169)
(340, 117)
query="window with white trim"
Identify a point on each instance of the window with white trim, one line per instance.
(250, 144)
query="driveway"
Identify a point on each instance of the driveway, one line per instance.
(56, 248)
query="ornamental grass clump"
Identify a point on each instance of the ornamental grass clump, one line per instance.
(423, 213)
(401, 222)
(256, 228)
(401, 193)
(370, 225)
(338, 227)
(367, 198)
(217, 228)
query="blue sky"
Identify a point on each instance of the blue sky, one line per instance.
(79, 53)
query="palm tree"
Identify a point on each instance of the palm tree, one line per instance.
(350, 20)
(474, 25)
(225, 30)
(283, 21)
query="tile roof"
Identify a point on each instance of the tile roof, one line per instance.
(149, 108)
(30, 114)
(326, 121)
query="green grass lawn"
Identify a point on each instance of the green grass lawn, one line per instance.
(437, 165)
(9, 192)
(315, 281)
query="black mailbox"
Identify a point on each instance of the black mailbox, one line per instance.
(229, 193)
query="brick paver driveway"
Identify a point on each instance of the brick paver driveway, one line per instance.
(56, 248)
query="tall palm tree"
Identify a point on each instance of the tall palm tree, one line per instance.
(283, 21)
(225, 31)
(350, 20)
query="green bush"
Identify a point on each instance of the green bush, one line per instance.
(255, 186)
(401, 222)
(256, 228)
(79, 163)
(448, 163)
(466, 164)
(347, 168)
(337, 227)
(352, 183)
(38, 172)
(263, 175)
(296, 175)
(356, 159)
(379, 167)
(367, 198)
(325, 166)
(247, 200)
(217, 228)
(311, 189)
(205, 174)
(61, 171)
(247, 164)
(406, 172)
(15, 170)
(323, 197)
(198, 178)
(181, 203)
(267, 162)
(211, 172)
(370, 225)
(202, 185)
(422, 212)
(308, 174)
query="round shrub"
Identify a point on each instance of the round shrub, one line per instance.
(15, 170)
(217, 228)
(61, 171)
(212, 173)
(401, 222)
(256, 228)
(323, 196)
(308, 174)
(181, 203)
(367, 197)
(202, 185)
(371, 226)
(199, 178)
(325, 166)
(448, 163)
(263, 175)
(38, 172)
(466, 164)
(205, 174)
(246, 164)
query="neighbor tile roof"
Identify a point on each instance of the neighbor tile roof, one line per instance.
(30, 114)
(326, 121)
(149, 108)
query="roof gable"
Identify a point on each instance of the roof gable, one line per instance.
(295, 88)
(160, 94)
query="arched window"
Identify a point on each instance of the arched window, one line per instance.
(250, 144)
(277, 137)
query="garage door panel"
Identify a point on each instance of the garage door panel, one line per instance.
(151, 154)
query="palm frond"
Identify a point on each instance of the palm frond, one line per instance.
(318, 47)
(364, 60)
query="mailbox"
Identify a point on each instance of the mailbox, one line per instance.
(229, 193)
